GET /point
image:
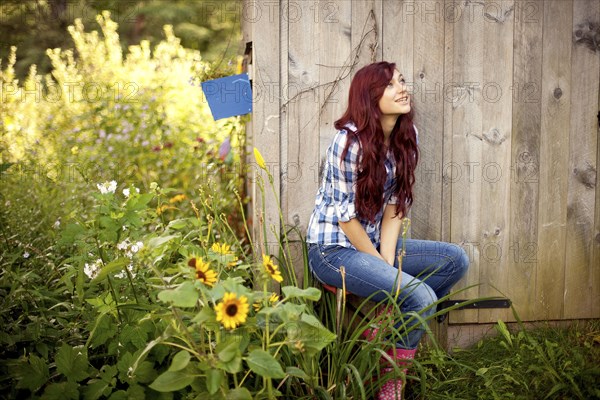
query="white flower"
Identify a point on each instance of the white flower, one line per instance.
(126, 192)
(92, 270)
(123, 245)
(123, 274)
(107, 187)
(137, 190)
(136, 247)
(56, 224)
(26, 255)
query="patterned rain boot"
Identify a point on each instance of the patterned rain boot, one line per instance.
(371, 332)
(392, 389)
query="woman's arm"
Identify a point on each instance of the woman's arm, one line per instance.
(359, 238)
(390, 231)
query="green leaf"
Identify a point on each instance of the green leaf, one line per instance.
(178, 224)
(264, 364)
(213, 380)
(5, 166)
(312, 294)
(291, 312)
(136, 335)
(185, 295)
(171, 381)
(311, 332)
(119, 395)
(297, 372)
(207, 314)
(135, 392)
(145, 372)
(228, 350)
(139, 202)
(113, 266)
(72, 363)
(232, 366)
(33, 373)
(94, 389)
(61, 391)
(161, 240)
(180, 361)
(239, 394)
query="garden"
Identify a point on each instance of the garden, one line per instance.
(129, 271)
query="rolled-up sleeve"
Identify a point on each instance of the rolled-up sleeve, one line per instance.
(344, 176)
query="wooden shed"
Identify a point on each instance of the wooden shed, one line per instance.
(507, 104)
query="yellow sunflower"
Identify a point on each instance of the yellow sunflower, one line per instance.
(203, 271)
(272, 300)
(223, 249)
(232, 311)
(177, 198)
(271, 268)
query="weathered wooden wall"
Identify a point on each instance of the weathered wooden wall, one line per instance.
(507, 96)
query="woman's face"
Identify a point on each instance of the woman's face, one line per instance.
(395, 99)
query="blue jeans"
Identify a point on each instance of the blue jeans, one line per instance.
(429, 270)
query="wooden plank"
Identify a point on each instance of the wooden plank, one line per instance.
(585, 64)
(495, 173)
(366, 31)
(526, 132)
(595, 261)
(467, 148)
(301, 99)
(554, 157)
(446, 216)
(398, 33)
(335, 71)
(428, 80)
(265, 115)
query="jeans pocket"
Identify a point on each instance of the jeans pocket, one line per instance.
(328, 249)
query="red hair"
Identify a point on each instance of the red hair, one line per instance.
(363, 111)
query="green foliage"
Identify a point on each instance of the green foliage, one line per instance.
(541, 363)
(210, 26)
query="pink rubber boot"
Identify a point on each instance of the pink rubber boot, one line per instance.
(392, 389)
(371, 333)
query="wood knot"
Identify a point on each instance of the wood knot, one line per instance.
(493, 136)
(558, 93)
(586, 175)
(422, 75)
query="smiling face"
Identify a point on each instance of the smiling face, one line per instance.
(395, 100)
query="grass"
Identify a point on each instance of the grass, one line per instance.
(541, 363)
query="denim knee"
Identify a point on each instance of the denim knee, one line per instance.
(419, 298)
(460, 259)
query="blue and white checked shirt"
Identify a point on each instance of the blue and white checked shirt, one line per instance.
(335, 200)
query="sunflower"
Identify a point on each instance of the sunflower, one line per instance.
(203, 272)
(223, 249)
(232, 311)
(272, 300)
(177, 198)
(271, 268)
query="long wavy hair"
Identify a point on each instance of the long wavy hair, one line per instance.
(363, 111)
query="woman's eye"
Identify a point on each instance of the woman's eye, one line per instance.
(403, 80)
(390, 84)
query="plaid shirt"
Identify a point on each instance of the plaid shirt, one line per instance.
(335, 200)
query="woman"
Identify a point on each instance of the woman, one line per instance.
(366, 190)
